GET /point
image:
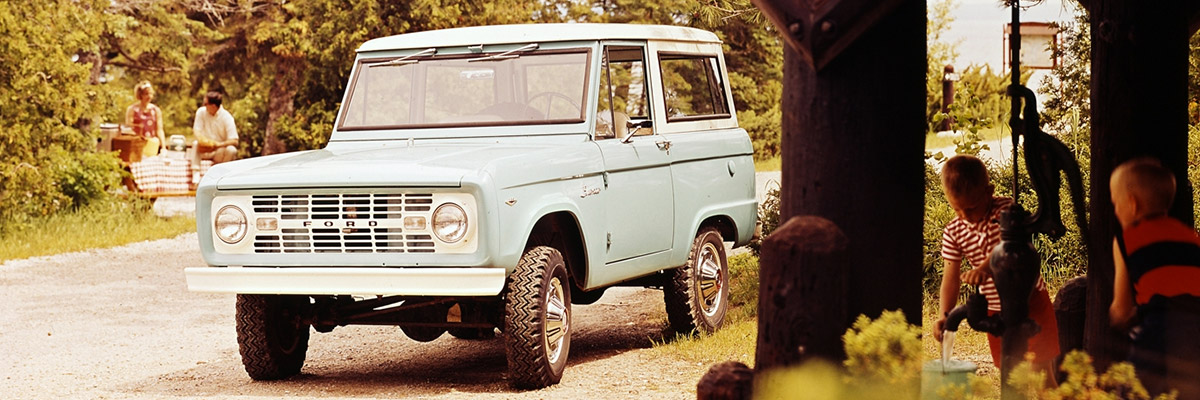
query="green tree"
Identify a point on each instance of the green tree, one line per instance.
(46, 105)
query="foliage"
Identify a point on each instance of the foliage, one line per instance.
(886, 349)
(743, 283)
(1118, 382)
(883, 361)
(939, 53)
(1066, 92)
(938, 213)
(1194, 164)
(768, 215)
(282, 66)
(46, 107)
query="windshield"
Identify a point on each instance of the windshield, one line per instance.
(545, 87)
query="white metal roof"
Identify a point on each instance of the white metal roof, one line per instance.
(533, 33)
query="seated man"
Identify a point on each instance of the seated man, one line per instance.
(216, 133)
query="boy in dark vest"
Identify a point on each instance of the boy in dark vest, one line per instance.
(1156, 287)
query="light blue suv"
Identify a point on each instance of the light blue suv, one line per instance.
(488, 178)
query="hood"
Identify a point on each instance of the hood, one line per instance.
(372, 165)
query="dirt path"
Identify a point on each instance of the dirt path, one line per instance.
(119, 323)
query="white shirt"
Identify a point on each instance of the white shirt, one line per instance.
(217, 128)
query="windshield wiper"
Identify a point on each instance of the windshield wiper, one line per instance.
(406, 60)
(508, 54)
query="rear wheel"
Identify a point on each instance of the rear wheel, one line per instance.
(537, 334)
(697, 294)
(272, 336)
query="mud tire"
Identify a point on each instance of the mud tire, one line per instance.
(697, 294)
(537, 334)
(272, 337)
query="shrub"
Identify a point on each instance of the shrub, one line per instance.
(768, 215)
(886, 349)
(883, 361)
(743, 282)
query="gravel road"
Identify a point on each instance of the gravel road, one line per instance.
(119, 323)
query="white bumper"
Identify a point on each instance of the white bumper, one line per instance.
(348, 281)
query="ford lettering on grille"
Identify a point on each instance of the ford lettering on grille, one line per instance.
(343, 223)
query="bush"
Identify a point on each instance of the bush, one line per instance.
(55, 180)
(768, 215)
(743, 282)
(883, 361)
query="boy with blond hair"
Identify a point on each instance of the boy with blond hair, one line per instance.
(971, 237)
(1156, 283)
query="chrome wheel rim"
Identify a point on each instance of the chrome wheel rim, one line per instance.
(711, 282)
(555, 328)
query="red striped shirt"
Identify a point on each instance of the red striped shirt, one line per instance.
(973, 242)
(1163, 259)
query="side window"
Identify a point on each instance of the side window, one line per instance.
(693, 87)
(623, 96)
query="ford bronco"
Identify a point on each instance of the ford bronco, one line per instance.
(485, 179)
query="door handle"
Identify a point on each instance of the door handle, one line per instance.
(664, 145)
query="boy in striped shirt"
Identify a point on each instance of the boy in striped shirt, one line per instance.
(1156, 279)
(971, 237)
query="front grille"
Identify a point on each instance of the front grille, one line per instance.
(343, 223)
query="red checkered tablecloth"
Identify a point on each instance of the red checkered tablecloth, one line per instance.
(166, 174)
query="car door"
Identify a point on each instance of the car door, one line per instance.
(639, 198)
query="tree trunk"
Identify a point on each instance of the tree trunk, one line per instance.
(853, 139)
(288, 73)
(1139, 108)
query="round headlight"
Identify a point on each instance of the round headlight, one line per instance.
(230, 224)
(449, 223)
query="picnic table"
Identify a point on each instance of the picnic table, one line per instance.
(166, 175)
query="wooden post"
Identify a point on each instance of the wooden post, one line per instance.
(807, 293)
(853, 145)
(1139, 108)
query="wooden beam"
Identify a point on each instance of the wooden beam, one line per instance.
(820, 30)
(1139, 108)
(853, 156)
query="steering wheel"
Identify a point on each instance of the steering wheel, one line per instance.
(550, 101)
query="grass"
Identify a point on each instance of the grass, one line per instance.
(989, 135)
(737, 340)
(105, 223)
(770, 164)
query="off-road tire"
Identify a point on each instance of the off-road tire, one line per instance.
(537, 289)
(697, 294)
(272, 336)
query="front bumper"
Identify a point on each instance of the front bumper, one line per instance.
(347, 281)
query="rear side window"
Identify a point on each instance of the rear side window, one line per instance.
(692, 87)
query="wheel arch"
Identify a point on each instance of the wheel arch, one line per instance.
(724, 225)
(561, 230)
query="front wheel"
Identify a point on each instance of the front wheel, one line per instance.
(537, 333)
(697, 294)
(272, 335)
